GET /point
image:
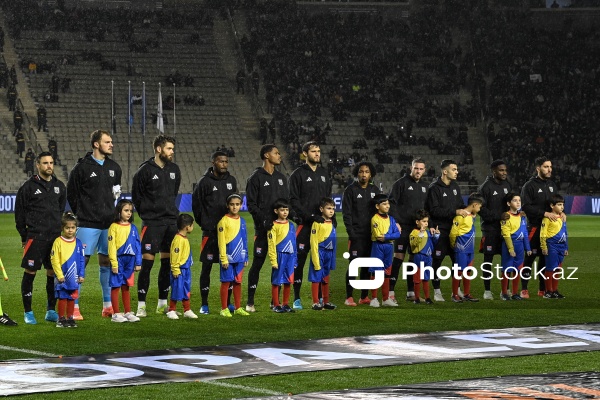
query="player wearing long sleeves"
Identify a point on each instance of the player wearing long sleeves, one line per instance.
(357, 210)
(422, 243)
(68, 262)
(462, 241)
(263, 188)
(181, 263)
(514, 246)
(308, 184)
(39, 205)
(233, 254)
(443, 203)
(384, 230)
(125, 254)
(554, 245)
(323, 240)
(535, 196)
(209, 206)
(282, 255)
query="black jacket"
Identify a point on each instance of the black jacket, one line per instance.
(442, 202)
(358, 208)
(210, 197)
(493, 193)
(89, 191)
(154, 192)
(39, 208)
(262, 189)
(307, 188)
(406, 198)
(535, 199)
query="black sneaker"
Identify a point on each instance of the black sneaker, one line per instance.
(287, 308)
(317, 307)
(5, 320)
(71, 322)
(62, 323)
(428, 301)
(329, 306)
(557, 295)
(417, 300)
(278, 309)
(516, 297)
(468, 297)
(548, 295)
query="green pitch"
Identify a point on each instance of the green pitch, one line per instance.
(98, 335)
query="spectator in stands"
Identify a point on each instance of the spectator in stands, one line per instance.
(20, 139)
(53, 148)
(42, 119)
(29, 160)
(240, 79)
(12, 98)
(17, 121)
(255, 81)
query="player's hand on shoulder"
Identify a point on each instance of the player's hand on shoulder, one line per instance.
(523, 214)
(563, 216)
(505, 216)
(319, 219)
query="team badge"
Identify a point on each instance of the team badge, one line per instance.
(229, 186)
(454, 191)
(56, 190)
(209, 257)
(372, 195)
(489, 248)
(31, 263)
(300, 246)
(111, 173)
(259, 250)
(176, 250)
(148, 246)
(110, 238)
(375, 225)
(534, 251)
(313, 231)
(551, 189)
(270, 236)
(423, 189)
(322, 178)
(354, 253)
(400, 247)
(280, 182)
(220, 229)
(172, 175)
(456, 223)
(438, 253)
(505, 191)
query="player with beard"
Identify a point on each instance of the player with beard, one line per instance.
(209, 204)
(264, 187)
(492, 212)
(39, 206)
(357, 210)
(155, 187)
(94, 185)
(535, 197)
(309, 183)
(443, 203)
(407, 196)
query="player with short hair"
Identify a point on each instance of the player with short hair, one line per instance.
(209, 204)
(154, 191)
(493, 190)
(263, 188)
(357, 210)
(282, 254)
(554, 245)
(94, 185)
(39, 205)
(322, 255)
(462, 241)
(443, 203)
(407, 196)
(308, 184)
(535, 195)
(422, 242)
(384, 230)
(181, 268)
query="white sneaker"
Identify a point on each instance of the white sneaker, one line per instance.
(438, 297)
(118, 318)
(374, 303)
(172, 315)
(141, 312)
(487, 295)
(250, 309)
(389, 303)
(189, 314)
(130, 317)
(460, 293)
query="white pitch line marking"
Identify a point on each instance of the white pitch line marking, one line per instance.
(37, 353)
(247, 388)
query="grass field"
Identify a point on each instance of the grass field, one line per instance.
(97, 335)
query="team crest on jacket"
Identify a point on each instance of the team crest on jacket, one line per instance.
(220, 229)
(454, 191)
(172, 175)
(148, 246)
(551, 189)
(176, 250)
(372, 195)
(322, 178)
(31, 263)
(423, 189)
(314, 231)
(300, 246)
(505, 191)
(259, 250)
(280, 182)
(209, 257)
(110, 238)
(111, 173)
(229, 186)
(56, 190)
